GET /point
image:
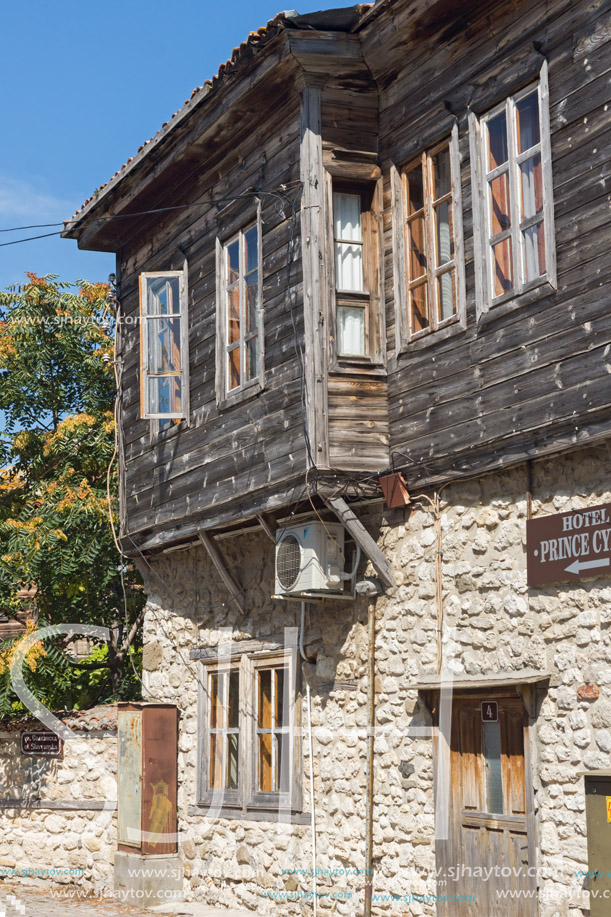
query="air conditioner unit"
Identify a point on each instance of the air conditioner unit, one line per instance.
(310, 558)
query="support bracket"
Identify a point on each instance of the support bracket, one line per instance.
(236, 591)
(362, 537)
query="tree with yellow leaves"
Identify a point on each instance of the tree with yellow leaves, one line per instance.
(57, 390)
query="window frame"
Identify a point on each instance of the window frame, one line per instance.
(226, 396)
(247, 799)
(482, 230)
(145, 413)
(437, 330)
(370, 299)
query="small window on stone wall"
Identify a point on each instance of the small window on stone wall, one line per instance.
(248, 746)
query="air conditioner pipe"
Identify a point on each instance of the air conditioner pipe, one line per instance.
(355, 565)
(312, 803)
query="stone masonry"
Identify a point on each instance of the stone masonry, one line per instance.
(497, 623)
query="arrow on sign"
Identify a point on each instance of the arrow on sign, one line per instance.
(580, 565)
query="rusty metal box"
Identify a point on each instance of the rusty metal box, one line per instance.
(147, 778)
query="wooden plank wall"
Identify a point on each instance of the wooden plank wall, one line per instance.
(225, 457)
(538, 377)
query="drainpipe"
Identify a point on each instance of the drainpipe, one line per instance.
(312, 798)
(371, 630)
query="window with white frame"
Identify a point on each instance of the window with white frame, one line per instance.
(433, 250)
(515, 218)
(248, 742)
(163, 345)
(356, 317)
(240, 311)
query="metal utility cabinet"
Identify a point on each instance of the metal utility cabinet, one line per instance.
(598, 821)
(147, 783)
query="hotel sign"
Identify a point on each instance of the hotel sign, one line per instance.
(569, 546)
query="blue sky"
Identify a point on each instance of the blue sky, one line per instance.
(83, 85)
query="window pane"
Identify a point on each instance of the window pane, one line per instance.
(165, 394)
(527, 115)
(497, 141)
(494, 776)
(265, 763)
(442, 176)
(251, 251)
(502, 266)
(163, 295)
(445, 233)
(280, 687)
(233, 716)
(532, 186)
(265, 699)
(216, 711)
(445, 296)
(163, 345)
(534, 251)
(347, 216)
(252, 358)
(234, 367)
(252, 301)
(349, 267)
(233, 747)
(419, 309)
(499, 204)
(233, 262)
(233, 314)
(417, 247)
(284, 763)
(351, 330)
(415, 190)
(216, 762)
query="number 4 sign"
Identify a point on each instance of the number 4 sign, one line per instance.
(490, 711)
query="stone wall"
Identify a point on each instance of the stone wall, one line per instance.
(492, 622)
(53, 826)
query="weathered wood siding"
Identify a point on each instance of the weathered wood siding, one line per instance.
(223, 464)
(357, 403)
(536, 378)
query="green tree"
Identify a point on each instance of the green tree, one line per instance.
(57, 495)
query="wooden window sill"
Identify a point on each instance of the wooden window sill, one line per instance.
(516, 301)
(284, 815)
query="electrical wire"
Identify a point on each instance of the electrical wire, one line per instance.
(70, 224)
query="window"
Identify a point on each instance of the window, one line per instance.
(248, 745)
(433, 257)
(515, 220)
(357, 308)
(163, 346)
(240, 313)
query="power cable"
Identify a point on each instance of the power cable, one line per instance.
(124, 216)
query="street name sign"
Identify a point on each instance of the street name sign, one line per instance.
(47, 744)
(569, 546)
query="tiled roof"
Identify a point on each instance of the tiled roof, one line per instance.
(286, 19)
(102, 718)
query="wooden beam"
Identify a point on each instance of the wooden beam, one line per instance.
(215, 556)
(266, 527)
(362, 538)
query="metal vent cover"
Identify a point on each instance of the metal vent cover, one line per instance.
(288, 561)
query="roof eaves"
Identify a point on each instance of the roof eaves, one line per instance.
(199, 95)
(342, 19)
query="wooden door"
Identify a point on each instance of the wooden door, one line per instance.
(489, 852)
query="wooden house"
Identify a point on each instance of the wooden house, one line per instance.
(376, 243)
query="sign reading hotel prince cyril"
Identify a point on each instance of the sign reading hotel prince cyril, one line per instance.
(569, 546)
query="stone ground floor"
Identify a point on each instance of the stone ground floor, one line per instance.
(51, 901)
(530, 713)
